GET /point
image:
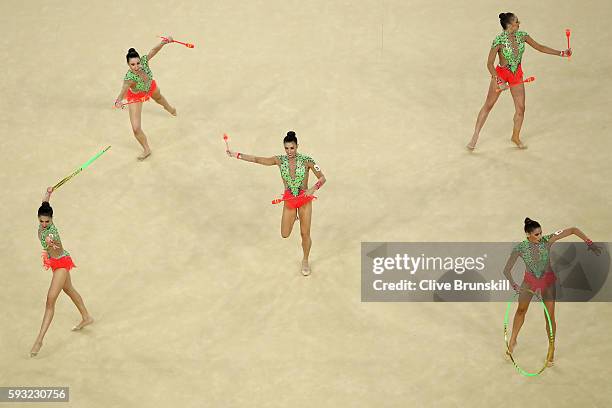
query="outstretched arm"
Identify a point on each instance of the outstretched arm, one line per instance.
(547, 50)
(564, 233)
(320, 178)
(155, 50)
(266, 161)
(574, 231)
(508, 269)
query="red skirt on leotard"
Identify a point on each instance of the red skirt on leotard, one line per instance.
(296, 201)
(508, 76)
(140, 96)
(542, 283)
(65, 262)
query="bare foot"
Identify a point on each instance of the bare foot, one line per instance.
(518, 143)
(472, 145)
(550, 363)
(85, 322)
(172, 111)
(305, 268)
(35, 348)
(144, 155)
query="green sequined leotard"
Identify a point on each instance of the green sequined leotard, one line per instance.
(536, 256)
(301, 171)
(43, 233)
(511, 50)
(141, 85)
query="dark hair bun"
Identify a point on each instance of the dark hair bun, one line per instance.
(505, 19)
(132, 53)
(531, 225)
(290, 138)
(45, 209)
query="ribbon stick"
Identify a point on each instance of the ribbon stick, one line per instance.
(80, 169)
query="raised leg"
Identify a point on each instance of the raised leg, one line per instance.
(159, 98)
(287, 220)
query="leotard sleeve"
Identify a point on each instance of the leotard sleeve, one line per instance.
(546, 238)
(499, 39)
(130, 76)
(518, 248)
(308, 159)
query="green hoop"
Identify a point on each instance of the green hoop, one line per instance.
(551, 337)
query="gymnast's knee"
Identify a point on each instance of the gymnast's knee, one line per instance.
(136, 129)
(50, 303)
(488, 106)
(521, 311)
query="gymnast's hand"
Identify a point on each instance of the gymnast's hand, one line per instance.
(502, 85)
(118, 104)
(230, 153)
(596, 250)
(167, 40)
(50, 242)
